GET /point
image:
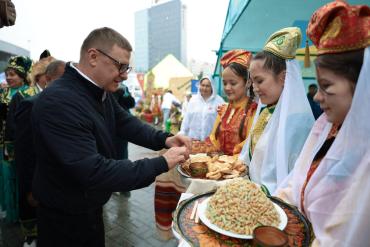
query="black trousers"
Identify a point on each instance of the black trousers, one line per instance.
(27, 213)
(58, 229)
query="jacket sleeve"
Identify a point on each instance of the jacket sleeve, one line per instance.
(135, 131)
(10, 126)
(65, 132)
(24, 151)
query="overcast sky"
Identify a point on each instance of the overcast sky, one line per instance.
(61, 26)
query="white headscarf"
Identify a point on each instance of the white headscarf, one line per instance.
(337, 197)
(283, 137)
(201, 114)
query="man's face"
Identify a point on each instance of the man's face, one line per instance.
(107, 71)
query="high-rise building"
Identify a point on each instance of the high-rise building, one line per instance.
(159, 31)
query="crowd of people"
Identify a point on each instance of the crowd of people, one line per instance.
(65, 128)
(308, 150)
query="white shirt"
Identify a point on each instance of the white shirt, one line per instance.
(89, 79)
(168, 99)
(38, 87)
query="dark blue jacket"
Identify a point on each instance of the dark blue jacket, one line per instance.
(25, 158)
(74, 124)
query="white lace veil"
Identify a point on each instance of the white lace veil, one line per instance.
(283, 137)
(337, 197)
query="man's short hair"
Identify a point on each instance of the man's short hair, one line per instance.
(52, 68)
(105, 38)
(312, 86)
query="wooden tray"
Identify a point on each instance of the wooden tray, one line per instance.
(298, 228)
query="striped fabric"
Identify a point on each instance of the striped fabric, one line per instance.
(168, 189)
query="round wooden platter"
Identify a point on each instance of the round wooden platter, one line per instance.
(298, 228)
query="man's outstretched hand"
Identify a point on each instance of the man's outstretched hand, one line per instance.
(180, 147)
(179, 141)
(175, 155)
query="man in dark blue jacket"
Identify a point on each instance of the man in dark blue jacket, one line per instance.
(25, 159)
(75, 121)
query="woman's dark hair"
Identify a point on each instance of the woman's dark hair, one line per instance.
(346, 64)
(239, 70)
(272, 62)
(243, 72)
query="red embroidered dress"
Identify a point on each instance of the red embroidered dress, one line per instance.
(225, 134)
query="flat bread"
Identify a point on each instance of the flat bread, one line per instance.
(227, 159)
(199, 158)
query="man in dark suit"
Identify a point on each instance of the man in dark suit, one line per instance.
(75, 121)
(25, 159)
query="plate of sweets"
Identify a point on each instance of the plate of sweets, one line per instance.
(206, 162)
(211, 164)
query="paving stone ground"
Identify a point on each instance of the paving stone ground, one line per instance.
(128, 221)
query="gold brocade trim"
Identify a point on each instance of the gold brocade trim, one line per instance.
(277, 53)
(261, 123)
(5, 96)
(332, 30)
(234, 105)
(31, 91)
(228, 125)
(13, 65)
(240, 103)
(362, 44)
(222, 111)
(284, 42)
(230, 116)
